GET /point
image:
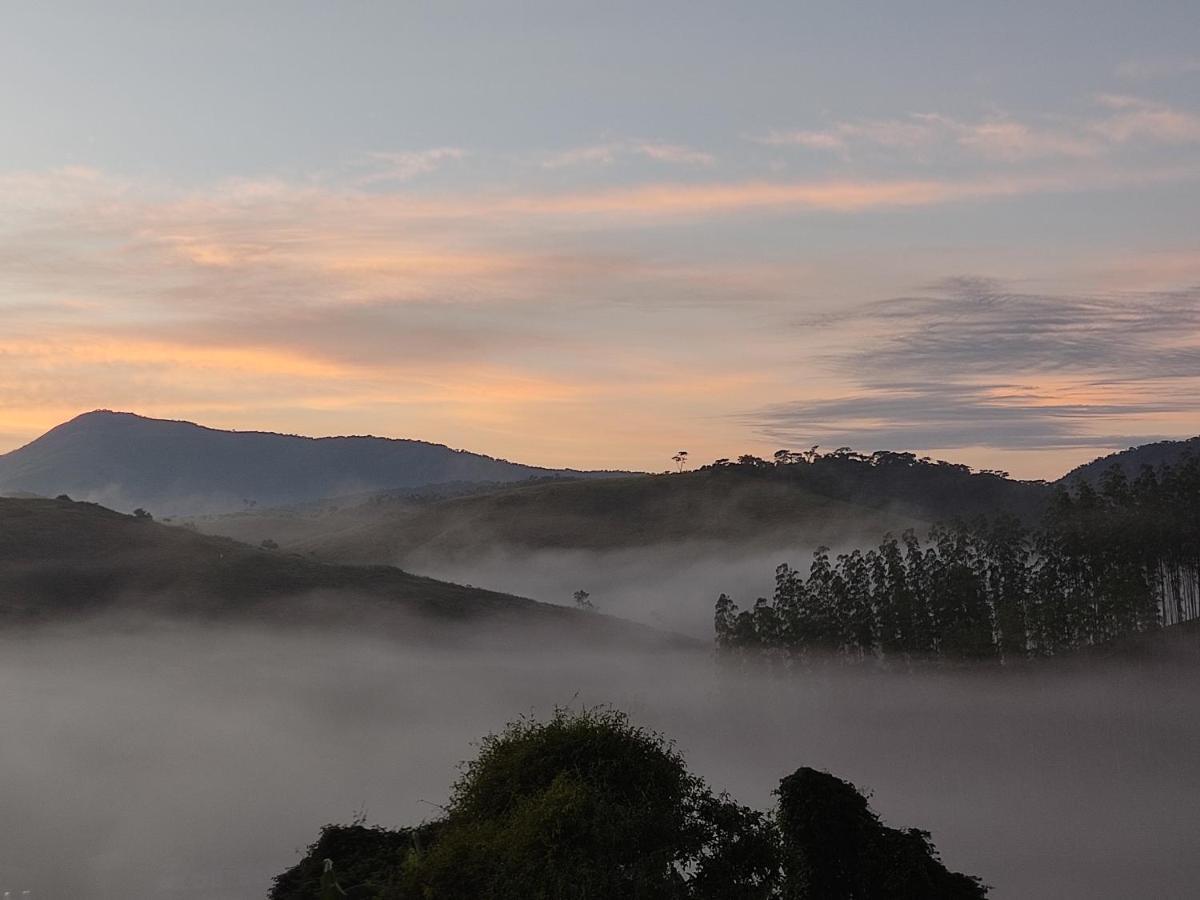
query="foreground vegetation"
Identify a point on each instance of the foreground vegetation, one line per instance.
(1104, 563)
(588, 806)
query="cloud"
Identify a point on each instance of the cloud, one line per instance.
(1013, 141)
(405, 166)
(973, 363)
(1135, 119)
(598, 154)
(946, 415)
(925, 136)
(607, 154)
(1154, 69)
(676, 153)
(973, 326)
(917, 131)
(518, 322)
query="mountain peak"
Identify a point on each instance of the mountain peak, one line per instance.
(125, 460)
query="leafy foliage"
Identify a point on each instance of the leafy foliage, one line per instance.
(588, 806)
(585, 805)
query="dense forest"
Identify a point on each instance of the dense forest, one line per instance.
(1103, 562)
(589, 806)
(904, 482)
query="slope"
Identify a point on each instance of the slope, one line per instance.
(800, 505)
(127, 461)
(1133, 460)
(62, 560)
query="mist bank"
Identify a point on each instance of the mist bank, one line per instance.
(668, 586)
(172, 761)
(62, 560)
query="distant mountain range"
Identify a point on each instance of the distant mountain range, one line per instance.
(126, 461)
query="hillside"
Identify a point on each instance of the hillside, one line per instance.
(1133, 460)
(61, 559)
(127, 461)
(788, 506)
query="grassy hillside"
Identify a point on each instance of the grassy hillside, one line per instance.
(596, 515)
(60, 559)
(801, 505)
(127, 461)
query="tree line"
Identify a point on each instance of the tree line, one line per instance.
(1104, 561)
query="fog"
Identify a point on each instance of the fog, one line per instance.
(167, 761)
(672, 586)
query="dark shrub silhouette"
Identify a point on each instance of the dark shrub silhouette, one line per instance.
(835, 848)
(588, 806)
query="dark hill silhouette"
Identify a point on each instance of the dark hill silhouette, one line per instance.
(126, 461)
(62, 560)
(1133, 460)
(801, 504)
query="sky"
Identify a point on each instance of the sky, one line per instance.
(591, 234)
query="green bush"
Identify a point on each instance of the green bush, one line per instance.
(588, 806)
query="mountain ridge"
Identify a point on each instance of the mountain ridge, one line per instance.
(125, 460)
(1133, 459)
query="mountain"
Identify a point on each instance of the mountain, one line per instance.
(62, 560)
(829, 501)
(1134, 459)
(127, 461)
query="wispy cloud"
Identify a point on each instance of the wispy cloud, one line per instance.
(928, 415)
(1117, 120)
(404, 166)
(606, 154)
(471, 318)
(973, 363)
(1136, 119)
(979, 327)
(1150, 69)
(595, 154)
(676, 153)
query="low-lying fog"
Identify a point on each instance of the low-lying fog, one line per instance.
(171, 762)
(671, 586)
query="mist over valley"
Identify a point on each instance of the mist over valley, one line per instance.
(599, 451)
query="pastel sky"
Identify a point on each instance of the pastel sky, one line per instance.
(591, 234)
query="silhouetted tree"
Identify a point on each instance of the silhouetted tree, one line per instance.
(588, 806)
(835, 848)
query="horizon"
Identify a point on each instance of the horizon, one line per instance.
(691, 463)
(587, 237)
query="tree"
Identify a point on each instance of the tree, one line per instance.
(582, 600)
(140, 513)
(1103, 563)
(835, 848)
(681, 459)
(269, 544)
(589, 806)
